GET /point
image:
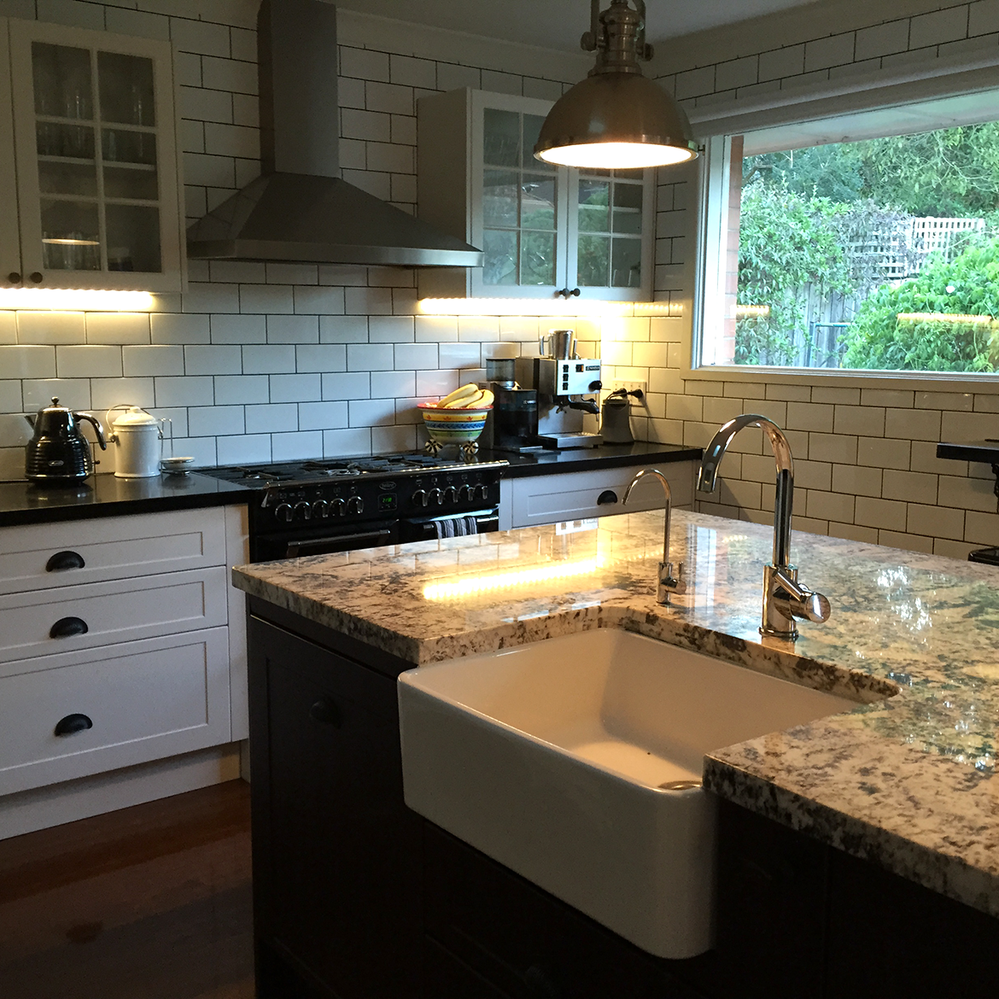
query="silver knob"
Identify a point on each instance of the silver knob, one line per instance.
(436, 495)
(337, 506)
(483, 491)
(451, 494)
(420, 497)
(304, 510)
(321, 509)
(283, 511)
(355, 505)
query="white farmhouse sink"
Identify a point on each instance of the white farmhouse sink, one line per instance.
(551, 758)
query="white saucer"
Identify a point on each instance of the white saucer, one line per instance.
(176, 466)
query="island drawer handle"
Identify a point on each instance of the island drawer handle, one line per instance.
(72, 724)
(607, 496)
(326, 712)
(67, 627)
(65, 560)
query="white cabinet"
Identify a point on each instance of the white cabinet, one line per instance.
(91, 119)
(120, 643)
(546, 231)
(569, 496)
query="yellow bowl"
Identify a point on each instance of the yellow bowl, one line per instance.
(453, 426)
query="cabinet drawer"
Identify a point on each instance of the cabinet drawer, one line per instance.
(110, 548)
(116, 611)
(548, 499)
(145, 700)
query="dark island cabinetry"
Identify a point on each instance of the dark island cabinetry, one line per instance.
(357, 897)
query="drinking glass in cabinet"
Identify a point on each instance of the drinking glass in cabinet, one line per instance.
(70, 236)
(126, 89)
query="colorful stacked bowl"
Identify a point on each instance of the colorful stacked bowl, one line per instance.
(453, 426)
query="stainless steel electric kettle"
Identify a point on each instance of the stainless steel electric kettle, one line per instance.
(58, 453)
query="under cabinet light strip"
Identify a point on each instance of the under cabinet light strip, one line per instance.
(75, 300)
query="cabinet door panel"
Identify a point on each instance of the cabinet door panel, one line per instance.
(335, 849)
(81, 617)
(144, 700)
(10, 257)
(98, 206)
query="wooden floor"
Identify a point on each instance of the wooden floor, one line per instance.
(147, 902)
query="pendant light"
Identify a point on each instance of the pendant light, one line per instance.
(616, 119)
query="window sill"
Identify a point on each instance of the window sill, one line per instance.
(944, 381)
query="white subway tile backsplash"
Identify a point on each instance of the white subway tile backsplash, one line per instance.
(392, 384)
(343, 443)
(72, 392)
(296, 446)
(343, 329)
(293, 329)
(417, 356)
(205, 421)
(883, 452)
(286, 273)
(8, 328)
(51, 327)
(391, 329)
(213, 359)
(236, 389)
(321, 357)
(265, 299)
(370, 357)
(319, 301)
(88, 361)
(370, 412)
(272, 419)
(189, 390)
(10, 396)
(368, 301)
(149, 360)
(355, 385)
(108, 392)
(296, 388)
(394, 438)
(321, 416)
(243, 449)
(118, 327)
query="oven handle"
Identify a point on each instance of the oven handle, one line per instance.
(345, 542)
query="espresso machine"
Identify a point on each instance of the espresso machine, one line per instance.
(568, 388)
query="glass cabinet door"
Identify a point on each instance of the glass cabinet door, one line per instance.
(10, 256)
(611, 244)
(94, 184)
(522, 204)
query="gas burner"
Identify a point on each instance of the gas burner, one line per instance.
(331, 469)
(260, 475)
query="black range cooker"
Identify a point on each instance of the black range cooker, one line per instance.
(334, 505)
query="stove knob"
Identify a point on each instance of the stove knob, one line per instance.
(420, 497)
(337, 507)
(355, 505)
(451, 494)
(321, 509)
(436, 495)
(483, 491)
(283, 511)
(467, 492)
(303, 510)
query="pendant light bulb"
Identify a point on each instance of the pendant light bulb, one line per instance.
(616, 118)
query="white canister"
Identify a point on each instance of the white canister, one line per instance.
(136, 436)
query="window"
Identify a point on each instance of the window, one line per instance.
(864, 242)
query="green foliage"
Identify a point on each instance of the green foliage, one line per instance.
(967, 286)
(785, 243)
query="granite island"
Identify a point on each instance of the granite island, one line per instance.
(904, 782)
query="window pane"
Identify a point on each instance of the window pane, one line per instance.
(502, 138)
(626, 269)
(537, 258)
(876, 254)
(593, 261)
(126, 88)
(537, 202)
(499, 198)
(62, 81)
(500, 249)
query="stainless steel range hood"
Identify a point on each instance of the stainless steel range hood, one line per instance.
(300, 209)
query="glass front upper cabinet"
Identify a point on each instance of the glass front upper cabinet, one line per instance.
(97, 175)
(545, 231)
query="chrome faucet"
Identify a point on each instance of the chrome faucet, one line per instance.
(667, 583)
(784, 599)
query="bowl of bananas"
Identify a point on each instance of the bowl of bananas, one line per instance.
(458, 418)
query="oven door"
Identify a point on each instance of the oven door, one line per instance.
(448, 525)
(319, 541)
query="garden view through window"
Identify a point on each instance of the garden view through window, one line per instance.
(876, 254)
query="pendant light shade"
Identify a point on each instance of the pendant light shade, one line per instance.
(616, 118)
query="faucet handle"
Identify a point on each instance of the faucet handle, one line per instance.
(786, 601)
(814, 607)
(670, 584)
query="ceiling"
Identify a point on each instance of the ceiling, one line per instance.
(557, 24)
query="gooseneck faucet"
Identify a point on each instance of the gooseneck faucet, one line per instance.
(784, 599)
(667, 583)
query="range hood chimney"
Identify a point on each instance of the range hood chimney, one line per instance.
(299, 209)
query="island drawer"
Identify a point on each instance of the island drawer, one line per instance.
(80, 617)
(44, 556)
(121, 705)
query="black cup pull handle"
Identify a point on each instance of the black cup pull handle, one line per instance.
(67, 627)
(607, 496)
(64, 560)
(72, 724)
(326, 712)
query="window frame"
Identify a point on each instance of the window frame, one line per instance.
(713, 128)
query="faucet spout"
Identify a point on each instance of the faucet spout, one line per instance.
(784, 599)
(667, 582)
(707, 475)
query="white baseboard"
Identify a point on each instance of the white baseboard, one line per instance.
(55, 804)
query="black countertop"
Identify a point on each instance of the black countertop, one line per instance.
(987, 451)
(23, 502)
(104, 495)
(584, 459)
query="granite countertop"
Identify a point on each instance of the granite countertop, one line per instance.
(104, 495)
(905, 781)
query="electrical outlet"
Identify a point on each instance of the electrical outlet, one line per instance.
(617, 383)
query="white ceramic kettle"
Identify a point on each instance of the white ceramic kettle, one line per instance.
(137, 437)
